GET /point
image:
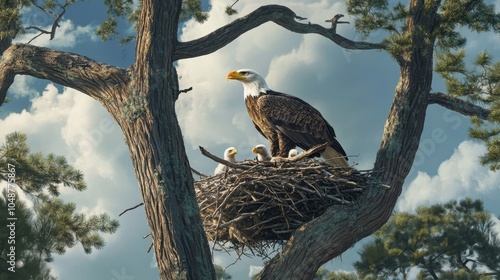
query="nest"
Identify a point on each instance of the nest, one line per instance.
(257, 205)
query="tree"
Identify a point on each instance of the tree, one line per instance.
(52, 225)
(325, 274)
(142, 98)
(30, 261)
(221, 274)
(456, 240)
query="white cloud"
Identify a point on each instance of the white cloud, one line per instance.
(79, 122)
(459, 176)
(68, 123)
(22, 86)
(254, 270)
(214, 111)
(47, 110)
(67, 35)
(352, 93)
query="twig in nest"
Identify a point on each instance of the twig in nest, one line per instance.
(131, 208)
(257, 208)
(198, 173)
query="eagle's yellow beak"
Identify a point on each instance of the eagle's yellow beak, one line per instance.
(234, 75)
(233, 152)
(255, 150)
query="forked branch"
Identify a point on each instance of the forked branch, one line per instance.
(55, 24)
(280, 15)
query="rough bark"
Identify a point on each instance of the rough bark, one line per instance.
(142, 101)
(342, 226)
(98, 80)
(157, 150)
(280, 15)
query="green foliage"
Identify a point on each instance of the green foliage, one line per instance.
(221, 274)
(31, 263)
(67, 227)
(52, 225)
(192, 9)
(480, 83)
(475, 15)
(230, 10)
(37, 175)
(10, 21)
(441, 240)
(325, 274)
(135, 107)
(373, 15)
(117, 9)
(107, 29)
(340, 275)
(377, 15)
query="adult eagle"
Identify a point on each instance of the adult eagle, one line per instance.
(287, 121)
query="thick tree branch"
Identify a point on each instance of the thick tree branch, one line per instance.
(67, 69)
(458, 105)
(223, 161)
(280, 15)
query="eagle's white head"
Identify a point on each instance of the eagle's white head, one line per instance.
(262, 153)
(230, 153)
(253, 82)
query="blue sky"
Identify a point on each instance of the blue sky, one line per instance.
(352, 89)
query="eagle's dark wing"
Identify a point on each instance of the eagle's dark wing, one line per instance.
(298, 120)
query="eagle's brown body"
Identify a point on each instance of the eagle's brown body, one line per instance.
(287, 121)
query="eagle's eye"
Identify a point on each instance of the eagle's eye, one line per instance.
(245, 73)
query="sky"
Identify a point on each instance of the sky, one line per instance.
(352, 89)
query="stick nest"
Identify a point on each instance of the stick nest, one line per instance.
(256, 205)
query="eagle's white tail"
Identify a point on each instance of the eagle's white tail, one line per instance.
(334, 158)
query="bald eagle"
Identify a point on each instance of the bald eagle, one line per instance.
(262, 153)
(229, 155)
(287, 121)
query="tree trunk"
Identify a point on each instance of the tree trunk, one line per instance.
(342, 226)
(142, 101)
(156, 146)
